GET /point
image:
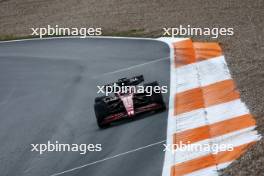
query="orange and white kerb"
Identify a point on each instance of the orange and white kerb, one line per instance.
(204, 109)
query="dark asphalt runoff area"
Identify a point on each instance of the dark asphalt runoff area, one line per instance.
(47, 91)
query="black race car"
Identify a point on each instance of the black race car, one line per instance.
(128, 103)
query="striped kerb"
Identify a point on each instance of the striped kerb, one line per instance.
(214, 130)
(187, 52)
(201, 97)
(208, 160)
(205, 109)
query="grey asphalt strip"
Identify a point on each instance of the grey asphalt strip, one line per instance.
(47, 91)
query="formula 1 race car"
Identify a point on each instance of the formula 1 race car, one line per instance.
(129, 103)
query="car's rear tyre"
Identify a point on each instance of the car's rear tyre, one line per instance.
(100, 113)
(157, 97)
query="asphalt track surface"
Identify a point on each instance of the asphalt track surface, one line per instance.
(47, 90)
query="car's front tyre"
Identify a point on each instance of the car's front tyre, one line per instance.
(100, 113)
